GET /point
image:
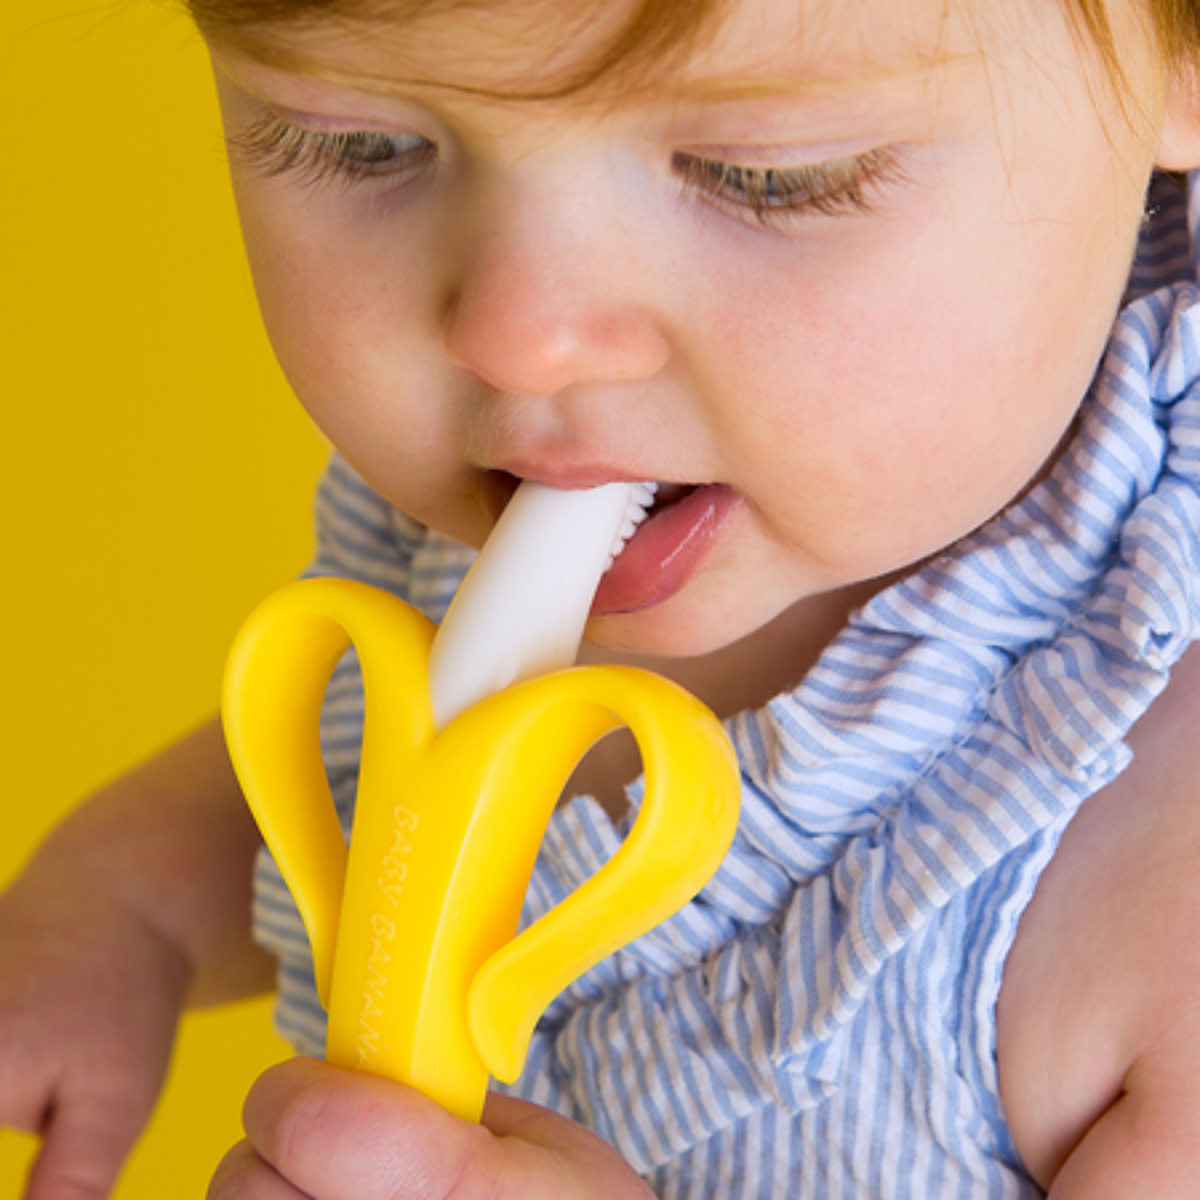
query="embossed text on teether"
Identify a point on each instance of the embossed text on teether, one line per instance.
(393, 872)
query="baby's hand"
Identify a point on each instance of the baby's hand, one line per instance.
(89, 999)
(318, 1132)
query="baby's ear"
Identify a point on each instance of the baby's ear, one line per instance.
(1179, 141)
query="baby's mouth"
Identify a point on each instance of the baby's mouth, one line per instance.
(500, 486)
(671, 493)
(664, 552)
(667, 549)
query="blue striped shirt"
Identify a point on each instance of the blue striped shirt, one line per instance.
(819, 1022)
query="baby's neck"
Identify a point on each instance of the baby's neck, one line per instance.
(772, 660)
(741, 676)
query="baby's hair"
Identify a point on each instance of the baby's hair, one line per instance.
(1176, 22)
(657, 31)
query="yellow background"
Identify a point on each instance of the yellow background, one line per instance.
(156, 474)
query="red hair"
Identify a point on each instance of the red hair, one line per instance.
(657, 31)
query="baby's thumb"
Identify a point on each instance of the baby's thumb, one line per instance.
(336, 1134)
(341, 1135)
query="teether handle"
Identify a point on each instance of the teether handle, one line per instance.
(411, 928)
(683, 830)
(274, 686)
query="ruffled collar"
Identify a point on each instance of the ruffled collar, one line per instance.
(962, 711)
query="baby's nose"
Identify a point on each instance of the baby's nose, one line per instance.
(538, 314)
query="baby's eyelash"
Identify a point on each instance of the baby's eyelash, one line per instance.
(271, 146)
(830, 189)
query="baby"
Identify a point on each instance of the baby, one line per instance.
(898, 302)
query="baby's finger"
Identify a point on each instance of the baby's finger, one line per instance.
(340, 1135)
(518, 1123)
(243, 1175)
(82, 1152)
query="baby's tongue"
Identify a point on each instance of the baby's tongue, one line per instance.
(667, 548)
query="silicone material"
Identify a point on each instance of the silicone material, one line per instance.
(522, 607)
(413, 928)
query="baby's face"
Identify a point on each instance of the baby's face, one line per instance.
(846, 273)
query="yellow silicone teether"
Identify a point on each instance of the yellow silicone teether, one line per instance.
(413, 927)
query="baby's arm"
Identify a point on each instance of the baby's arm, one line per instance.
(318, 1132)
(1146, 1144)
(1099, 1021)
(138, 904)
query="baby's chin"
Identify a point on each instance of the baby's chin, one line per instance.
(621, 638)
(683, 627)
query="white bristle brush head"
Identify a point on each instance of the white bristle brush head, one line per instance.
(637, 507)
(522, 608)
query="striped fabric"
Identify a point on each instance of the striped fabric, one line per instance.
(819, 1022)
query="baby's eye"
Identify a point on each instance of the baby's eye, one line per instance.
(372, 153)
(271, 146)
(768, 193)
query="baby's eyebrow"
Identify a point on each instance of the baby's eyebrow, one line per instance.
(298, 47)
(867, 87)
(718, 88)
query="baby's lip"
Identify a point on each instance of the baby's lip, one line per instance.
(567, 474)
(667, 549)
(501, 484)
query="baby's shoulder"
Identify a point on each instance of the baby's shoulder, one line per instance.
(1099, 1014)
